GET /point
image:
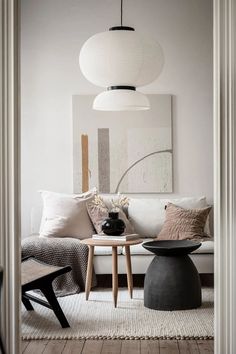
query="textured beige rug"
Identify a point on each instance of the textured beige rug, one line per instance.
(97, 318)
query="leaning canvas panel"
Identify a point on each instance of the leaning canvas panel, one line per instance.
(128, 152)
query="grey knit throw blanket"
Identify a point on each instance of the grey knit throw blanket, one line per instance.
(61, 252)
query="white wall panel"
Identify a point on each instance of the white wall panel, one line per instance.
(53, 32)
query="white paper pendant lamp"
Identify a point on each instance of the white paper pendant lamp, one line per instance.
(121, 60)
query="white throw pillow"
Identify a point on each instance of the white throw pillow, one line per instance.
(65, 215)
(147, 215)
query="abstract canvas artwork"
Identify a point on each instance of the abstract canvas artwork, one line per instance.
(128, 152)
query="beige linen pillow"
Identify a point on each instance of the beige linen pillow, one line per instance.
(183, 224)
(98, 212)
(65, 215)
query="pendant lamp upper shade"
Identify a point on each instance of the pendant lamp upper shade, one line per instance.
(120, 58)
(121, 100)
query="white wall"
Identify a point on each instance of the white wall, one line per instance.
(53, 32)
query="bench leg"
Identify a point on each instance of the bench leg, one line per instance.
(48, 292)
(1, 346)
(27, 304)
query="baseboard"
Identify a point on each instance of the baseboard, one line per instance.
(207, 279)
(105, 280)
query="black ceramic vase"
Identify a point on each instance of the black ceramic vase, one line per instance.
(113, 225)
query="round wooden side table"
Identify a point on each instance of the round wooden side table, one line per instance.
(91, 243)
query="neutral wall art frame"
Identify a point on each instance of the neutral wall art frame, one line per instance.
(129, 152)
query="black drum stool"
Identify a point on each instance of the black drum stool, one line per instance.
(172, 281)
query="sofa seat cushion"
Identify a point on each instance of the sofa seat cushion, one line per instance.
(105, 251)
(139, 249)
(207, 247)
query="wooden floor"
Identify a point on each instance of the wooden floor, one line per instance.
(118, 347)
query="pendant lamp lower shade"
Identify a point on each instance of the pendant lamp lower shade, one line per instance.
(121, 100)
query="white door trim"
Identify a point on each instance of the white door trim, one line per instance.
(9, 174)
(225, 175)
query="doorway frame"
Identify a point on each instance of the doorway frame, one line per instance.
(224, 14)
(10, 173)
(224, 175)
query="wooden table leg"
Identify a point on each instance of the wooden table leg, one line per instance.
(114, 274)
(129, 271)
(89, 271)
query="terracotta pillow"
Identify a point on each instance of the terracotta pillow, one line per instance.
(98, 212)
(183, 224)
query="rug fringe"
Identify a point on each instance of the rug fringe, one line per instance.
(30, 337)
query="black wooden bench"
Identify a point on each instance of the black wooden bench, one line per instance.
(2, 350)
(39, 275)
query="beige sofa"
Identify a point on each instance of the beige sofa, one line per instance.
(147, 216)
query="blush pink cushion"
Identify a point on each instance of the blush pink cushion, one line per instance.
(98, 212)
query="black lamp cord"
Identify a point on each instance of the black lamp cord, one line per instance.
(121, 27)
(121, 13)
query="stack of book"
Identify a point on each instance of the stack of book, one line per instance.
(124, 238)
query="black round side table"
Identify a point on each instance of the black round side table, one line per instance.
(172, 281)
